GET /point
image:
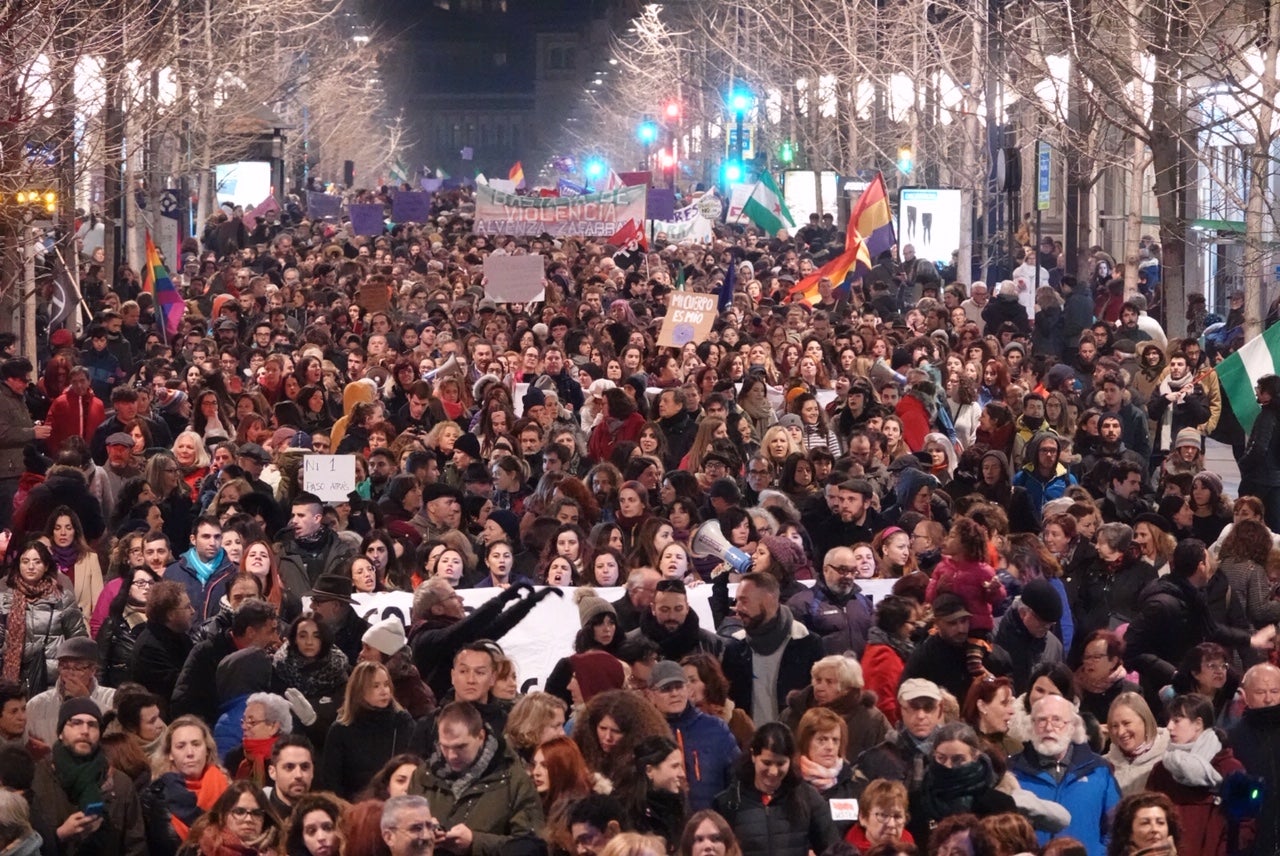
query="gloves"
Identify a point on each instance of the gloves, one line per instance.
(513, 592)
(547, 592)
(301, 707)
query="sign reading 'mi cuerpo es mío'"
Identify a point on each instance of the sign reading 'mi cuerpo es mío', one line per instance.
(592, 215)
(689, 319)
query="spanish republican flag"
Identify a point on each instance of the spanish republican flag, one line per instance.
(156, 282)
(868, 234)
(517, 174)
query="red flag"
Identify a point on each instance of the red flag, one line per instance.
(630, 231)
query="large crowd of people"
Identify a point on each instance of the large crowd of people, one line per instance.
(1076, 656)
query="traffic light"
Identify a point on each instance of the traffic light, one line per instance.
(666, 159)
(648, 132)
(732, 172)
(787, 153)
(46, 199)
(906, 160)
(594, 168)
(740, 100)
(672, 111)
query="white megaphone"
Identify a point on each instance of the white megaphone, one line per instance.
(449, 367)
(710, 541)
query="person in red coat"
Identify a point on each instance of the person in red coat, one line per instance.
(76, 411)
(917, 409)
(888, 647)
(1191, 774)
(620, 423)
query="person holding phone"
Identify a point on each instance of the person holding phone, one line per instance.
(78, 799)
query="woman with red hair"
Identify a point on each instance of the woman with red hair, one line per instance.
(561, 778)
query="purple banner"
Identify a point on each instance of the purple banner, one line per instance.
(661, 204)
(411, 206)
(323, 206)
(431, 185)
(366, 219)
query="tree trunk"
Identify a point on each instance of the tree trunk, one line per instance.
(1259, 171)
(1169, 158)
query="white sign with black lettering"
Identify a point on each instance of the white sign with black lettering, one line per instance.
(330, 477)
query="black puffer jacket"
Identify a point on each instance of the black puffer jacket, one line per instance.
(794, 822)
(353, 753)
(116, 640)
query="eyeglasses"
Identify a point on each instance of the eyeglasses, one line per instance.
(242, 813)
(1214, 667)
(843, 570)
(420, 828)
(1054, 722)
(893, 817)
(252, 723)
(146, 584)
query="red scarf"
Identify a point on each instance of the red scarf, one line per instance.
(256, 752)
(16, 626)
(211, 785)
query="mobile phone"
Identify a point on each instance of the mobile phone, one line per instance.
(95, 809)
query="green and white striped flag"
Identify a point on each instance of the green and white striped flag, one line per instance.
(399, 172)
(1238, 374)
(766, 208)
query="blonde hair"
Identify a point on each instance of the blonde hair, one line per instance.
(160, 763)
(634, 844)
(362, 677)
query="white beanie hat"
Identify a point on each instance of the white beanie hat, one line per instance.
(387, 636)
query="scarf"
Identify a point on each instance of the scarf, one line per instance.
(772, 634)
(311, 543)
(188, 799)
(1167, 386)
(901, 647)
(757, 410)
(822, 778)
(79, 777)
(953, 790)
(459, 782)
(24, 593)
(1191, 764)
(223, 842)
(204, 570)
(314, 678)
(1141, 750)
(257, 751)
(1098, 686)
(65, 558)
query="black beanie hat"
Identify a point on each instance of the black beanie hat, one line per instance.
(77, 707)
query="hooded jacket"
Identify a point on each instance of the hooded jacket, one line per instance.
(917, 409)
(1087, 790)
(710, 752)
(1039, 488)
(356, 392)
(1023, 516)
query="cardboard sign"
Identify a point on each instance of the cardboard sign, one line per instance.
(514, 279)
(374, 297)
(330, 477)
(689, 319)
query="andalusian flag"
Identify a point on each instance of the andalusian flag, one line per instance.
(1239, 373)
(399, 173)
(765, 207)
(156, 282)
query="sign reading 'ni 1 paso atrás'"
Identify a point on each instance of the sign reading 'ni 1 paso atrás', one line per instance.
(593, 215)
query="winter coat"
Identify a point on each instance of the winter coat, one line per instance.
(1025, 651)
(1041, 489)
(796, 820)
(680, 431)
(1261, 458)
(116, 639)
(300, 568)
(610, 432)
(196, 691)
(157, 658)
(122, 832)
(1255, 739)
(1192, 412)
(1131, 773)
(841, 623)
(973, 582)
(882, 667)
(800, 651)
(1087, 790)
(17, 429)
(64, 486)
(206, 597)
(1205, 827)
(917, 418)
(1049, 335)
(939, 796)
(500, 804)
(1006, 308)
(857, 707)
(72, 415)
(50, 620)
(710, 751)
(353, 753)
(1077, 314)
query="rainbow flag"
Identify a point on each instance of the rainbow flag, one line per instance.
(156, 282)
(868, 234)
(516, 174)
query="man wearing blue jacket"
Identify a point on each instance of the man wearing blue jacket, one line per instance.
(1058, 765)
(710, 750)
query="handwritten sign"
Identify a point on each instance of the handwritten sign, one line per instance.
(689, 319)
(330, 477)
(514, 279)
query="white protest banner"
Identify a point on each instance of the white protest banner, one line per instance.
(696, 230)
(689, 319)
(330, 477)
(514, 279)
(598, 215)
(737, 200)
(538, 642)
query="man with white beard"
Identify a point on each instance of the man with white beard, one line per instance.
(1058, 765)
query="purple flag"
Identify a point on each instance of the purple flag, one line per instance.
(431, 185)
(411, 206)
(323, 206)
(661, 204)
(366, 219)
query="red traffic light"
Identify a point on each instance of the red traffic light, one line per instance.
(673, 110)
